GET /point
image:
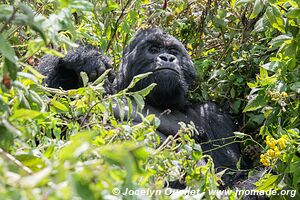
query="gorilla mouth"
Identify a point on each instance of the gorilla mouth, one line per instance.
(166, 68)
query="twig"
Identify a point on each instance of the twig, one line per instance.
(117, 24)
(283, 8)
(54, 90)
(15, 161)
(88, 112)
(166, 142)
(203, 17)
(229, 143)
(223, 54)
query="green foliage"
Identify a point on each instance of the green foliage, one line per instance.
(57, 144)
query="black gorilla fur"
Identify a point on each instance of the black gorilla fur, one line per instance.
(155, 51)
(152, 50)
(65, 72)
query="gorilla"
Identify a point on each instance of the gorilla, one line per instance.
(153, 50)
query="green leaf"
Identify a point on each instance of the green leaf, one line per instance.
(82, 187)
(37, 99)
(52, 52)
(10, 68)
(137, 78)
(7, 134)
(5, 11)
(101, 78)
(293, 13)
(139, 100)
(31, 161)
(85, 78)
(26, 9)
(267, 183)
(275, 18)
(240, 2)
(261, 24)
(252, 85)
(28, 76)
(25, 114)
(110, 7)
(271, 66)
(121, 110)
(232, 92)
(295, 87)
(144, 92)
(258, 7)
(236, 106)
(219, 22)
(276, 42)
(255, 103)
(130, 107)
(59, 105)
(79, 144)
(6, 50)
(291, 49)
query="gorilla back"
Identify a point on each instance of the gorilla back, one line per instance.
(153, 50)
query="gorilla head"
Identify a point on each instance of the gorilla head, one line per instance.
(153, 50)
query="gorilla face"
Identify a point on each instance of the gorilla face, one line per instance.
(155, 51)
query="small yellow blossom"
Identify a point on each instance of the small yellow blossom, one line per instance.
(271, 153)
(277, 152)
(265, 160)
(271, 142)
(282, 142)
(284, 94)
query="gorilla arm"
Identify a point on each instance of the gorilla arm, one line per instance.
(65, 72)
(216, 131)
(214, 126)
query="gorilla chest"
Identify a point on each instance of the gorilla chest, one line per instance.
(213, 126)
(170, 118)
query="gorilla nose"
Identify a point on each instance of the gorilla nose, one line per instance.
(165, 57)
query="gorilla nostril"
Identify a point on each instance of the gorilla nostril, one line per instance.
(164, 58)
(172, 58)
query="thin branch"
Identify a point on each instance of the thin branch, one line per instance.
(87, 113)
(117, 24)
(15, 161)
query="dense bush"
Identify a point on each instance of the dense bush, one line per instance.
(57, 144)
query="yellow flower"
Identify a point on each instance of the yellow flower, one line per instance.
(271, 142)
(282, 142)
(284, 94)
(276, 152)
(265, 160)
(271, 153)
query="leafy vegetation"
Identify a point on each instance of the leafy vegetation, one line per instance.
(57, 144)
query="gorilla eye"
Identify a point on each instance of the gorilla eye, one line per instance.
(154, 49)
(174, 51)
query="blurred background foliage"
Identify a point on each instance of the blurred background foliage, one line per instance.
(67, 144)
